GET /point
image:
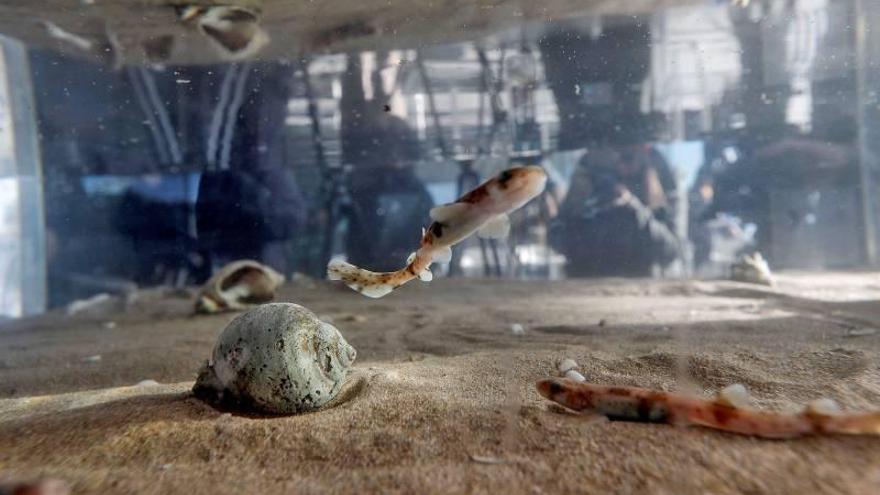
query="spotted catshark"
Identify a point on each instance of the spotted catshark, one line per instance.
(483, 210)
(729, 411)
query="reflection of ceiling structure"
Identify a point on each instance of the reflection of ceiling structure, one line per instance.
(695, 58)
(152, 31)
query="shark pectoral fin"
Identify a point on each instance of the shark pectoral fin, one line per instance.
(426, 275)
(734, 395)
(448, 211)
(496, 228)
(443, 255)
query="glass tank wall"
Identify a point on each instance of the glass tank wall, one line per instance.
(675, 141)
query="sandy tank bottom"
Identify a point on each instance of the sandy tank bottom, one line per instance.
(442, 399)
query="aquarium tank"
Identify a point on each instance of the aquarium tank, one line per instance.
(287, 246)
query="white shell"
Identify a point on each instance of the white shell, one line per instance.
(753, 269)
(823, 407)
(734, 395)
(574, 375)
(567, 364)
(239, 285)
(277, 358)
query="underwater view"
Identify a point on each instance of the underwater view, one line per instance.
(418, 247)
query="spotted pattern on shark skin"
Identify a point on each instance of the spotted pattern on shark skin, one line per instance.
(476, 196)
(654, 406)
(504, 178)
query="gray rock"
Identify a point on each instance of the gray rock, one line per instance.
(277, 359)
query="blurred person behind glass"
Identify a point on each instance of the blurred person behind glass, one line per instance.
(390, 203)
(249, 214)
(617, 217)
